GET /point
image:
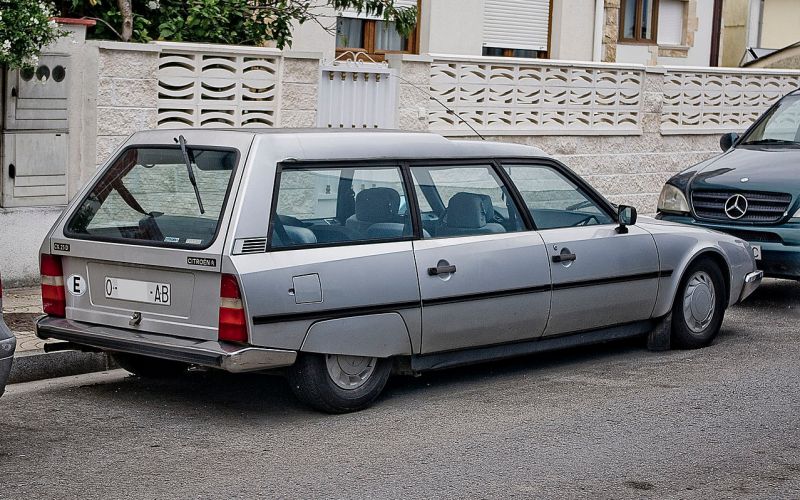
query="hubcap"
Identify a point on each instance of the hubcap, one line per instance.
(349, 372)
(698, 301)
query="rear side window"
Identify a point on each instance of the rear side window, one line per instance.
(146, 197)
(335, 206)
(464, 201)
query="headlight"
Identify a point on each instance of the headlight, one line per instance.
(672, 200)
(796, 216)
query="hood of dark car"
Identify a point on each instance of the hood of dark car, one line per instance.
(765, 169)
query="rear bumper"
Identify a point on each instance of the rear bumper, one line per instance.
(229, 357)
(751, 282)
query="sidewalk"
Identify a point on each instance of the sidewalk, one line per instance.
(21, 307)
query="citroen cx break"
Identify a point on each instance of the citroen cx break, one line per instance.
(341, 257)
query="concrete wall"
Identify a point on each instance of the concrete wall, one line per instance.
(21, 233)
(780, 23)
(572, 30)
(452, 27)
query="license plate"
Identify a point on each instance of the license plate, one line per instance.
(138, 291)
(757, 251)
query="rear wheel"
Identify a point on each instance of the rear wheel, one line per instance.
(335, 383)
(699, 306)
(147, 367)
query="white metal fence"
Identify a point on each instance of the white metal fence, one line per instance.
(357, 95)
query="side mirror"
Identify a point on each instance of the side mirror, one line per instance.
(727, 141)
(627, 217)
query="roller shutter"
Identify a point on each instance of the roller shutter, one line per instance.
(516, 24)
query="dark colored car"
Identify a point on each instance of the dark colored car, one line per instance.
(7, 344)
(751, 191)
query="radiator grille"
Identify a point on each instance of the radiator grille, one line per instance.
(761, 207)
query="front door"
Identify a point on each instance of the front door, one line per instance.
(483, 278)
(600, 276)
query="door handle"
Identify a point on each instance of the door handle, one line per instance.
(435, 271)
(564, 257)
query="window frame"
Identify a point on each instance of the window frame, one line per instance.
(637, 24)
(495, 163)
(158, 244)
(369, 38)
(585, 188)
(341, 165)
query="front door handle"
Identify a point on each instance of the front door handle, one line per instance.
(564, 257)
(435, 271)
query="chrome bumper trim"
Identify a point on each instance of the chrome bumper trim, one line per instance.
(751, 282)
(229, 357)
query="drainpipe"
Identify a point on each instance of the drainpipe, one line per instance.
(597, 43)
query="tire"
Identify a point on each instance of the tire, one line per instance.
(313, 379)
(693, 324)
(147, 367)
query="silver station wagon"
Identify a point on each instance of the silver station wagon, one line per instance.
(341, 257)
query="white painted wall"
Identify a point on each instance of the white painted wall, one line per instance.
(22, 231)
(572, 30)
(452, 27)
(311, 37)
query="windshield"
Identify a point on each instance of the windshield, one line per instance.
(146, 196)
(781, 125)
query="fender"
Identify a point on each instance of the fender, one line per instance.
(376, 335)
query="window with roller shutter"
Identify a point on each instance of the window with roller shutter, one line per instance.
(369, 34)
(518, 28)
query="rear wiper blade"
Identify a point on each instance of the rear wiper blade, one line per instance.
(770, 141)
(182, 142)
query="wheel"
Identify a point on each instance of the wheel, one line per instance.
(699, 306)
(336, 383)
(147, 367)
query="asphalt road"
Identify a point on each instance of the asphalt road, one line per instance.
(612, 421)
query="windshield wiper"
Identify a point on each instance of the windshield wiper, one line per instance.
(761, 142)
(182, 142)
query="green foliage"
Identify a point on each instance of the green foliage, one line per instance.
(25, 27)
(237, 22)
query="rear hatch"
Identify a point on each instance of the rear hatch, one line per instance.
(141, 248)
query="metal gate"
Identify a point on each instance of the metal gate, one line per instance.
(357, 95)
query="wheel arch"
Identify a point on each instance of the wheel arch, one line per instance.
(665, 300)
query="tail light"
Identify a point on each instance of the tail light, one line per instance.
(232, 322)
(53, 299)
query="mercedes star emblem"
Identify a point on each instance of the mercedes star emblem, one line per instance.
(736, 207)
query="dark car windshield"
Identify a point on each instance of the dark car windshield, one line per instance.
(146, 197)
(780, 127)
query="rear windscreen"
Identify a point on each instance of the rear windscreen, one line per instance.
(148, 196)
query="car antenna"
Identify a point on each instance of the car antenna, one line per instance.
(182, 141)
(445, 106)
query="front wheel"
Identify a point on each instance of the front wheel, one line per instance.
(699, 306)
(336, 383)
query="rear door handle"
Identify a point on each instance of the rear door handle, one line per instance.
(435, 271)
(564, 257)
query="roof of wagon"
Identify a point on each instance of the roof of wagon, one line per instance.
(346, 144)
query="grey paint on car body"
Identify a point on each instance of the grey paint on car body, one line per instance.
(384, 286)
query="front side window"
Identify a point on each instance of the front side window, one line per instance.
(780, 127)
(464, 201)
(330, 206)
(553, 200)
(638, 20)
(147, 196)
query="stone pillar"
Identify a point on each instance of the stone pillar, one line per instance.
(610, 30)
(127, 93)
(299, 89)
(413, 83)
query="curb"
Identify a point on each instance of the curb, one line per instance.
(39, 365)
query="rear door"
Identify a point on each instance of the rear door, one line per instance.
(483, 278)
(600, 276)
(136, 240)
